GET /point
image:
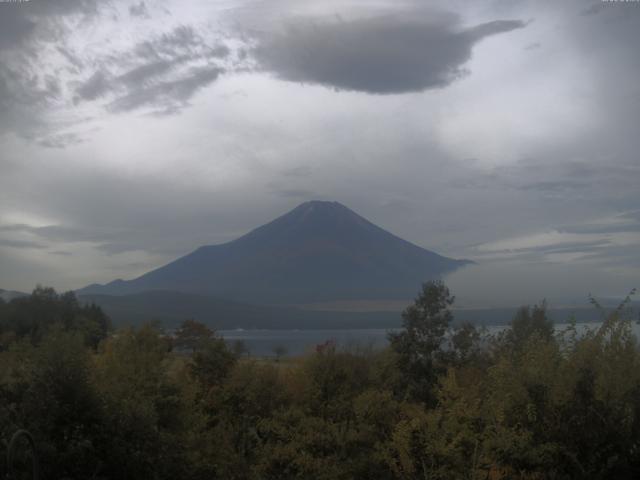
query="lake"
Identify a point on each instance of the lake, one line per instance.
(297, 342)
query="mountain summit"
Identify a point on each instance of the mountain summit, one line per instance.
(319, 251)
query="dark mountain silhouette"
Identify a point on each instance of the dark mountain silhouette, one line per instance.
(8, 295)
(319, 251)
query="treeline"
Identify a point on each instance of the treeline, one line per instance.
(438, 403)
(31, 318)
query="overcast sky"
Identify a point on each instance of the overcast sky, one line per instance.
(506, 132)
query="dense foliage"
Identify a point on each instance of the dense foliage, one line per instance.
(439, 403)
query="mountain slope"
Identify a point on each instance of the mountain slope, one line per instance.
(170, 308)
(319, 251)
(8, 295)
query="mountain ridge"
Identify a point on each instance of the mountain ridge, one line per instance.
(8, 295)
(318, 251)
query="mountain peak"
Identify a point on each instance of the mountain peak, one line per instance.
(312, 221)
(321, 206)
(319, 251)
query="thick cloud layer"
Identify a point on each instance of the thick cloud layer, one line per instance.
(380, 55)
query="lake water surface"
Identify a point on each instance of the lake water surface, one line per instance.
(296, 342)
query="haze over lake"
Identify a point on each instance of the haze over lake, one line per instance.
(298, 342)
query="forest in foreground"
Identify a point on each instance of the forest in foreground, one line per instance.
(441, 402)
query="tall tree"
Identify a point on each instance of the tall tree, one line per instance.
(192, 335)
(418, 345)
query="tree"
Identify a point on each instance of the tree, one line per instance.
(279, 351)
(212, 362)
(144, 415)
(192, 335)
(57, 402)
(240, 348)
(418, 345)
(35, 315)
(529, 322)
(465, 344)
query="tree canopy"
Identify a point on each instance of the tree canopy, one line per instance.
(442, 401)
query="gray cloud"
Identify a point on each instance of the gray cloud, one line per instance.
(300, 194)
(634, 215)
(627, 222)
(42, 72)
(117, 248)
(625, 256)
(593, 9)
(182, 42)
(24, 95)
(60, 7)
(20, 244)
(298, 172)
(105, 240)
(62, 253)
(51, 232)
(385, 55)
(586, 229)
(15, 27)
(615, 183)
(162, 73)
(146, 73)
(558, 247)
(76, 63)
(139, 10)
(554, 186)
(61, 140)
(167, 97)
(29, 77)
(111, 241)
(94, 87)
(21, 20)
(220, 51)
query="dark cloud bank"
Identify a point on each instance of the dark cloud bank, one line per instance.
(384, 55)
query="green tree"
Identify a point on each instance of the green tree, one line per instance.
(527, 323)
(240, 348)
(145, 417)
(192, 334)
(49, 392)
(212, 362)
(418, 345)
(279, 351)
(33, 316)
